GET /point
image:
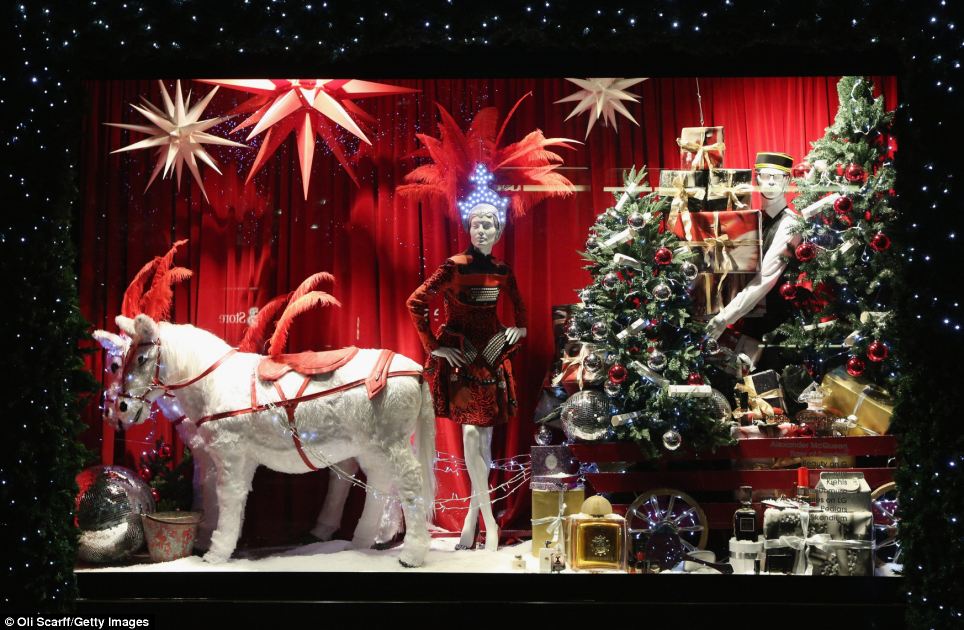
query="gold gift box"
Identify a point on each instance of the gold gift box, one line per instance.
(848, 396)
(545, 504)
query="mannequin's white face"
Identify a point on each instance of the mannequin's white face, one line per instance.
(772, 182)
(484, 231)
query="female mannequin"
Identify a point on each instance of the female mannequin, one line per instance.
(468, 365)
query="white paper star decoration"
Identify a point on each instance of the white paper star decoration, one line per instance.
(604, 97)
(178, 135)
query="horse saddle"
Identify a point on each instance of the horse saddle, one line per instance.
(308, 363)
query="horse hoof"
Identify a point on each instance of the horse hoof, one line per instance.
(410, 561)
(461, 547)
(382, 546)
(214, 558)
(324, 533)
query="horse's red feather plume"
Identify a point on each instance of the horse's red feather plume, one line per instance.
(255, 337)
(156, 303)
(303, 304)
(455, 153)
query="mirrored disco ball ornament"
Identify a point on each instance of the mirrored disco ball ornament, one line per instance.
(585, 415)
(722, 411)
(656, 361)
(600, 330)
(544, 436)
(610, 280)
(635, 220)
(672, 440)
(109, 507)
(689, 270)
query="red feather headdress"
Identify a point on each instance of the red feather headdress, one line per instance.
(455, 154)
(154, 299)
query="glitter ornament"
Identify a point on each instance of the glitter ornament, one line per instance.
(592, 362)
(600, 330)
(610, 280)
(618, 374)
(613, 390)
(880, 242)
(635, 220)
(544, 436)
(855, 366)
(843, 205)
(689, 270)
(672, 440)
(656, 361)
(663, 256)
(855, 173)
(788, 291)
(806, 252)
(877, 351)
(662, 292)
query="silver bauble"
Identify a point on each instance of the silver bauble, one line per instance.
(689, 270)
(592, 362)
(109, 507)
(711, 346)
(613, 390)
(662, 292)
(544, 436)
(656, 361)
(722, 412)
(572, 331)
(585, 296)
(600, 330)
(585, 415)
(672, 440)
(635, 220)
(610, 280)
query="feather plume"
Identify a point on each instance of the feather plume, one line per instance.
(156, 303)
(302, 305)
(131, 304)
(311, 283)
(255, 337)
(454, 154)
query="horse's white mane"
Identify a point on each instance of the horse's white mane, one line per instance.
(191, 348)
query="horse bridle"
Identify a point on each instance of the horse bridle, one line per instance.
(156, 382)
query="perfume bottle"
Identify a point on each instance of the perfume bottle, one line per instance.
(814, 415)
(744, 519)
(597, 537)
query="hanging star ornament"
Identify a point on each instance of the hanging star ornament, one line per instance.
(307, 107)
(603, 97)
(178, 135)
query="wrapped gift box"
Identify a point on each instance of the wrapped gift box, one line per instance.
(729, 242)
(849, 396)
(687, 189)
(729, 189)
(784, 530)
(843, 492)
(701, 148)
(841, 543)
(548, 495)
(764, 387)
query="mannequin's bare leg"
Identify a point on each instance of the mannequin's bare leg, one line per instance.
(477, 445)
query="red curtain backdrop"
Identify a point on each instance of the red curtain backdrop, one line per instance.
(257, 240)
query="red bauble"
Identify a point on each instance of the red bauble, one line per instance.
(868, 217)
(164, 451)
(843, 205)
(145, 473)
(651, 331)
(617, 374)
(800, 170)
(788, 291)
(855, 366)
(877, 351)
(155, 494)
(663, 256)
(694, 379)
(855, 173)
(806, 252)
(880, 242)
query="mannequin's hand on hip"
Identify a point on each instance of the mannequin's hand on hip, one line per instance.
(453, 355)
(715, 327)
(513, 334)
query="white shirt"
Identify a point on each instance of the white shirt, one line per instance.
(773, 265)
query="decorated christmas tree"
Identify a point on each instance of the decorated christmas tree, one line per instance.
(841, 279)
(171, 483)
(635, 323)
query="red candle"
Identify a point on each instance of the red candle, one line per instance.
(803, 477)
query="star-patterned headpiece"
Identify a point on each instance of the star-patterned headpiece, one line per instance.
(482, 194)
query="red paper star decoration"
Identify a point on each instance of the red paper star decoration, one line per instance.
(306, 107)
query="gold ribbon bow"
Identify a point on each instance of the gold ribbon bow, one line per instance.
(679, 208)
(701, 150)
(732, 193)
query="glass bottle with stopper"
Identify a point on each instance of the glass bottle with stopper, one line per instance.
(597, 537)
(744, 519)
(814, 415)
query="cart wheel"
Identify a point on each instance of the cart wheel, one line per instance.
(885, 507)
(668, 506)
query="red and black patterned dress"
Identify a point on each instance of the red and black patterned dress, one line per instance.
(483, 392)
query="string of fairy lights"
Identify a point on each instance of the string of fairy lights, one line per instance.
(41, 104)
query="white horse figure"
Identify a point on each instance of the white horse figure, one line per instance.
(205, 478)
(214, 387)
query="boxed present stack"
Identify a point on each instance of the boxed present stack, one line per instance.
(849, 396)
(556, 494)
(687, 189)
(729, 189)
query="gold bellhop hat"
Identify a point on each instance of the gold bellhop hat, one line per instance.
(779, 161)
